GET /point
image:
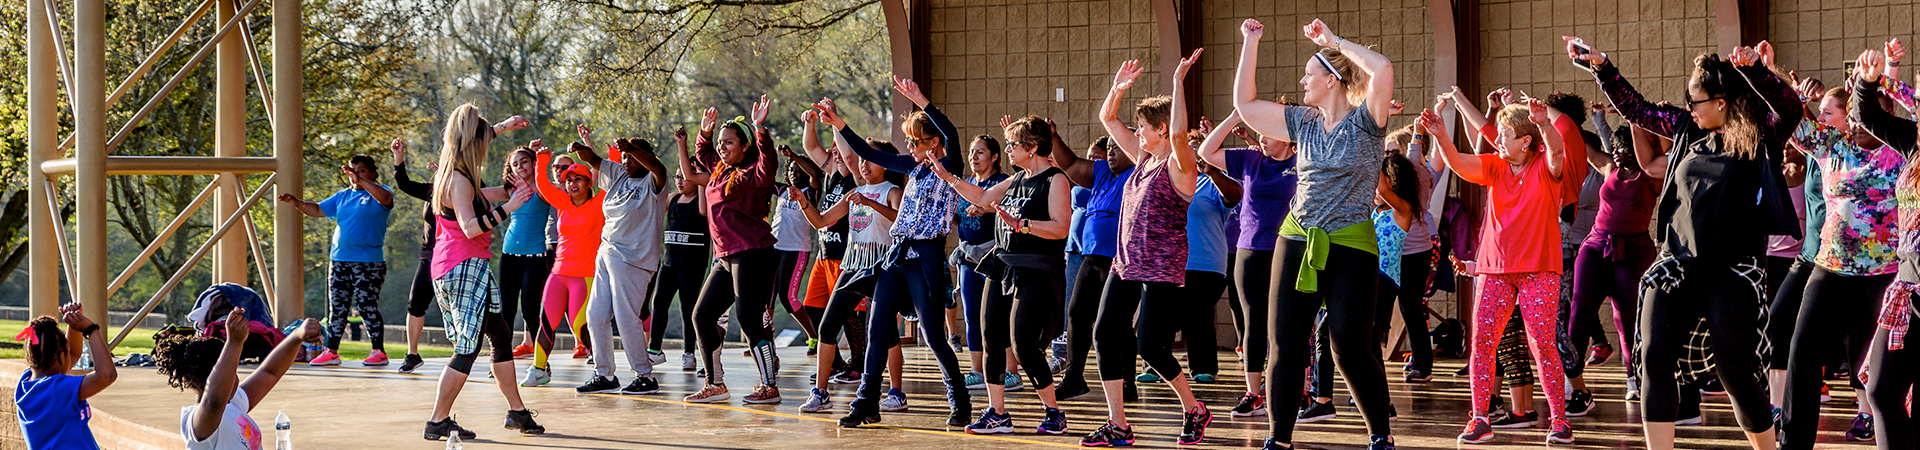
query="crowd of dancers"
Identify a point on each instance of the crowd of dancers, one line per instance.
(1752, 241)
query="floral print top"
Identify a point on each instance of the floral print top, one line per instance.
(1862, 212)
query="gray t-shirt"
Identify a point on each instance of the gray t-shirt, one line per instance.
(1338, 169)
(636, 216)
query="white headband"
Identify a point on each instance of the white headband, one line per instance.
(1323, 61)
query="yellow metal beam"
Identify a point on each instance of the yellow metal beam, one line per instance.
(289, 257)
(159, 240)
(169, 165)
(90, 152)
(43, 126)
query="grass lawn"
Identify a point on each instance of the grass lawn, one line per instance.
(141, 341)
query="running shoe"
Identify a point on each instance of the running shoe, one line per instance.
(580, 351)
(1559, 432)
(817, 402)
(1056, 365)
(856, 418)
(1862, 428)
(326, 358)
(1633, 389)
(1779, 417)
(763, 395)
(1580, 404)
(599, 385)
(377, 358)
(1521, 420)
(1148, 377)
(412, 363)
(1712, 387)
(894, 401)
(1193, 424)
(713, 393)
(1460, 373)
(813, 347)
(537, 377)
(845, 377)
(1690, 418)
(655, 357)
(1271, 444)
(1108, 436)
(1055, 423)
(641, 385)
(522, 421)
(688, 362)
(1203, 378)
(975, 381)
(1418, 376)
(1315, 412)
(1826, 393)
(1381, 443)
(1601, 353)
(1250, 405)
(991, 422)
(1477, 431)
(523, 351)
(440, 430)
(1013, 382)
(958, 415)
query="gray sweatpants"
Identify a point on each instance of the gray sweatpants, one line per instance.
(619, 298)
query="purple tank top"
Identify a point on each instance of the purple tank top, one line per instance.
(1626, 203)
(1153, 227)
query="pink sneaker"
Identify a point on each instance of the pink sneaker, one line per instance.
(377, 358)
(326, 358)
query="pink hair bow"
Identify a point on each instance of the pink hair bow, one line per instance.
(28, 335)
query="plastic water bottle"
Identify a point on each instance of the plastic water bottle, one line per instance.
(453, 442)
(282, 432)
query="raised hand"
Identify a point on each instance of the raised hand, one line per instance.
(708, 119)
(1431, 120)
(1497, 99)
(309, 331)
(759, 113)
(794, 195)
(1395, 107)
(1180, 72)
(1206, 126)
(1537, 112)
(1592, 56)
(1316, 31)
(830, 113)
(1252, 29)
(1896, 51)
(399, 151)
(810, 116)
(513, 123)
(1765, 49)
(537, 145)
(1869, 66)
(75, 317)
(1123, 79)
(583, 131)
(1743, 56)
(1006, 121)
(786, 151)
(911, 90)
(237, 326)
(680, 135)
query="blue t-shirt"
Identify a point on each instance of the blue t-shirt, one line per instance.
(977, 229)
(527, 228)
(1266, 193)
(52, 413)
(1100, 230)
(1207, 246)
(1816, 213)
(1081, 196)
(359, 225)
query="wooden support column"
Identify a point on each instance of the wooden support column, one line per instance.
(229, 140)
(91, 274)
(1176, 23)
(43, 138)
(907, 35)
(1726, 25)
(289, 81)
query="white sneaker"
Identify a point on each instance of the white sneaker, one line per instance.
(893, 402)
(537, 377)
(688, 362)
(656, 358)
(817, 402)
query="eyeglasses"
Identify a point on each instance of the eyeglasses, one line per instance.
(1691, 102)
(915, 142)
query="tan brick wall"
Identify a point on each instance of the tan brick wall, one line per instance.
(1652, 41)
(1810, 37)
(1006, 57)
(1399, 29)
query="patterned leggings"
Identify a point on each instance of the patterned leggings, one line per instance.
(1537, 295)
(355, 285)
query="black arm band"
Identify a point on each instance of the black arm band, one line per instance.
(88, 332)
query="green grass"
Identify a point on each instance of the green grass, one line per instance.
(141, 341)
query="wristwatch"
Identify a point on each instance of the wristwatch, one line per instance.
(1026, 226)
(88, 332)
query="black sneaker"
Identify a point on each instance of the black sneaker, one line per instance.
(856, 417)
(1580, 404)
(1193, 425)
(641, 386)
(1250, 405)
(1418, 376)
(1108, 436)
(1460, 373)
(1315, 412)
(1381, 443)
(1559, 432)
(599, 385)
(1712, 387)
(522, 421)
(440, 430)
(1522, 420)
(412, 363)
(959, 417)
(1071, 388)
(1862, 428)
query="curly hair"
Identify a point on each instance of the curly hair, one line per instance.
(1401, 178)
(187, 361)
(1571, 104)
(51, 349)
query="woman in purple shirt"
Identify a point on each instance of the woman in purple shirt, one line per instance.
(1268, 175)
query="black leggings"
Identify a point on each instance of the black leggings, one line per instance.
(1252, 270)
(1785, 310)
(1894, 373)
(742, 281)
(1836, 307)
(494, 327)
(523, 283)
(1667, 319)
(1157, 305)
(842, 315)
(1021, 320)
(670, 283)
(1083, 306)
(1411, 293)
(422, 296)
(1603, 269)
(1348, 292)
(1202, 292)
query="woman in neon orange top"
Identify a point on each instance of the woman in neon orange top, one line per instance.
(581, 218)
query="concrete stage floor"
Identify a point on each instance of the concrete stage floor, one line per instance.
(350, 407)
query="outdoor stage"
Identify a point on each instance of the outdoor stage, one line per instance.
(350, 407)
